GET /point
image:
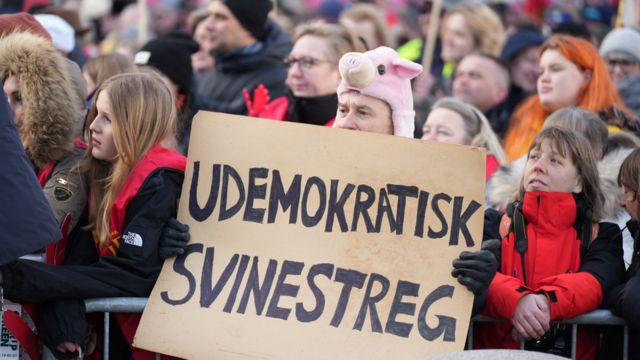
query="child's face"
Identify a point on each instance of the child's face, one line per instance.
(547, 170)
(103, 146)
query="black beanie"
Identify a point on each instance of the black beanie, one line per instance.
(171, 55)
(252, 15)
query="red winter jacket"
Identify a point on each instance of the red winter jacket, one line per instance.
(553, 267)
(157, 157)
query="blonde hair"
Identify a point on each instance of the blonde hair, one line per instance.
(476, 126)
(339, 38)
(142, 116)
(576, 147)
(486, 26)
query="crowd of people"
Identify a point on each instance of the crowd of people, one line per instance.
(103, 108)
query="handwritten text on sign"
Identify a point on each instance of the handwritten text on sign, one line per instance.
(343, 254)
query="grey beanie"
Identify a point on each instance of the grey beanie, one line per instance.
(624, 40)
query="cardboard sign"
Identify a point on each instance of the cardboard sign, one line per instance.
(317, 243)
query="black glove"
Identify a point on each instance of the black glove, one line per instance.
(175, 236)
(475, 270)
(61, 321)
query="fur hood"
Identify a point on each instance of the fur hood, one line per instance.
(503, 185)
(44, 84)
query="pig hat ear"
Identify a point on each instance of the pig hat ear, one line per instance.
(406, 69)
(381, 73)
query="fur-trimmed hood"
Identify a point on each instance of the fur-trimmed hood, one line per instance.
(503, 185)
(43, 80)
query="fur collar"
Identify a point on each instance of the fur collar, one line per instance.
(46, 132)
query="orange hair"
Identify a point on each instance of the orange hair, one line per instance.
(598, 94)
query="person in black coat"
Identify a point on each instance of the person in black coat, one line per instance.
(115, 250)
(624, 299)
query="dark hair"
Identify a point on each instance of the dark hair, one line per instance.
(629, 174)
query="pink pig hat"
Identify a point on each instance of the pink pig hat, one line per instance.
(381, 73)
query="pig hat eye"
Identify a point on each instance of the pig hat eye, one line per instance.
(382, 69)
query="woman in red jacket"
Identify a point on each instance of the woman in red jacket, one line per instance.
(557, 261)
(134, 182)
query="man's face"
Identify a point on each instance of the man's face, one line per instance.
(478, 82)
(222, 30)
(621, 66)
(364, 113)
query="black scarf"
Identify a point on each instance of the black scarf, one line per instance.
(312, 110)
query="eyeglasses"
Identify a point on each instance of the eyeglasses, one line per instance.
(305, 62)
(624, 64)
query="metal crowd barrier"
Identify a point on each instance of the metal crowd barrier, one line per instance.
(135, 305)
(597, 317)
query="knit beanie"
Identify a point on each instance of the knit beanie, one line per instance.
(381, 73)
(171, 55)
(624, 40)
(21, 22)
(252, 15)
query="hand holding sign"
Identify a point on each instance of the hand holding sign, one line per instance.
(317, 243)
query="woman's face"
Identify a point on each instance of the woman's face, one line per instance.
(14, 97)
(103, 145)
(311, 73)
(524, 69)
(559, 81)
(547, 170)
(457, 38)
(446, 126)
(629, 201)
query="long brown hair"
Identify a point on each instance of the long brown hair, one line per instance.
(575, 147)
(142, 116)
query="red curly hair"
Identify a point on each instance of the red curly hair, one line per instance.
(598, 94)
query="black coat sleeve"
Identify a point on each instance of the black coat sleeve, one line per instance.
(623, 300)
(132, 272)
(604, 258)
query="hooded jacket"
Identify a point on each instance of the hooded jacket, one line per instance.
(220, 89)
(574, 277)
(49, 115)
(504, 184)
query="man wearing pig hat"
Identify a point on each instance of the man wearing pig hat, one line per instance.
(375, 92)
(375, 96)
